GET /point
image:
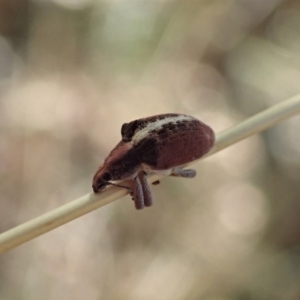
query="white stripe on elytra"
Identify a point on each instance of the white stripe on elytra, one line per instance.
(156, 125)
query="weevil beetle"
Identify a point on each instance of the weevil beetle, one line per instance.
(157, 144)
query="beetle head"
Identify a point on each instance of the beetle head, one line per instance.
(102, 179)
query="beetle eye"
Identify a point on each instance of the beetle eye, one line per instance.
(106, 176)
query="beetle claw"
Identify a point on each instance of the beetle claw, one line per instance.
(186, 173)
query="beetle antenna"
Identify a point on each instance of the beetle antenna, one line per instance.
(121, 186)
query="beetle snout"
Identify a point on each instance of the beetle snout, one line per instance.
(100, 186)
(95, 189)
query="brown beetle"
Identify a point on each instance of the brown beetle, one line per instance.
(157, 144)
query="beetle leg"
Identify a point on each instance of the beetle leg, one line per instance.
(132, 193)
(146, 189)
(187, 173)
(138, 196)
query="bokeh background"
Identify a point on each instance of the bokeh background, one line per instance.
(73, 71)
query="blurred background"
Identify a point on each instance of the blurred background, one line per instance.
(73, 71)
